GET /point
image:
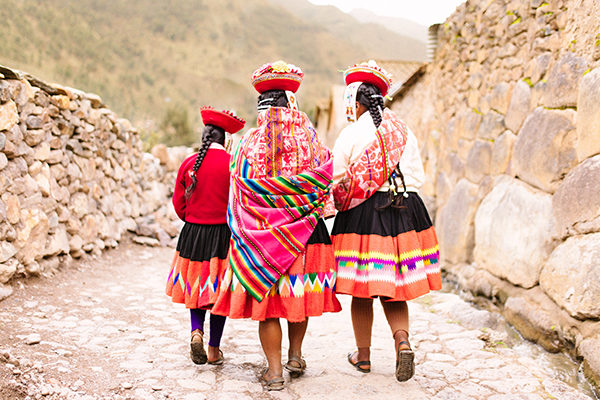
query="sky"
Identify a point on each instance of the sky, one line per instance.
(425, 12)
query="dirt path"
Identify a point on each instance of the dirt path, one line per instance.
(107, 331)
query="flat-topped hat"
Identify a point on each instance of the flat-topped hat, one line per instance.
(369, 72)
(277, 75)
(223, 119)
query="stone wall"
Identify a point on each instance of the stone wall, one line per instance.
(73, 178)
(508, 116)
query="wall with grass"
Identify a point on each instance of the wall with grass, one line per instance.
(508, 115)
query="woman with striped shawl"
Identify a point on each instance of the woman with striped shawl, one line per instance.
(281, 257)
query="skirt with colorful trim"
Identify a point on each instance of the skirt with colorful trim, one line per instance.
(307, 289)
(199, 264)
(392, 253)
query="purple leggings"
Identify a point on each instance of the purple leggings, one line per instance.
(217, 323)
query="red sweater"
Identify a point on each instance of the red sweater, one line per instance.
(208, 202)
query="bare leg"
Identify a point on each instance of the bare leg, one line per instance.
(270, 334)
(396, 313)
(296, 332)
(362, 322)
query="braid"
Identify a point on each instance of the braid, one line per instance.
(272, 98)
(210, 134)
(369, 96)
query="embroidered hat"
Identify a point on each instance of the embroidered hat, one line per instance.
(223, 119)
(277, 75)
(369, 72)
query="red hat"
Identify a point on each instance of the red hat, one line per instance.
(223, 119)
(277, 75)
(369, 72)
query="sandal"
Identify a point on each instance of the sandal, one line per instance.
(359, 364)
(218, 361)
(276, 383)
(405, 360)
(295, 371)
(197, 352)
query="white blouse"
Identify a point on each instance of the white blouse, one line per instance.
(356, 137)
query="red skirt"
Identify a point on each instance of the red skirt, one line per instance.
(306, 290)
(391, 252)
(199, 264)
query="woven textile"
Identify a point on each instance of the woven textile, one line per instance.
(364, 176)
(280, 182)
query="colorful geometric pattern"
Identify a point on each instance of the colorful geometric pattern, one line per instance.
(306, 290)
(195, 283)
(402, 267)
(365, 175)
(276, 197)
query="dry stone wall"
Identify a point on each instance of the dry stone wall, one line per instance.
(74, 178)
(508, 115)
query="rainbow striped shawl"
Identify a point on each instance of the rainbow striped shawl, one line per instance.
(365, 175)
(272, 217)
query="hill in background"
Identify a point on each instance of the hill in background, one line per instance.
(146, 57)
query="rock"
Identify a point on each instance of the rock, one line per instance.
(492, 126)
(520, 105)
(33, 122)
(532, 322)
(542, 160)
(3, 161)
(13, 208)
(127, 385)
(33, 338)
(146, 241)
(571, 276)
(537, 67)
(33, 137)
(57, 243)
(5, 290)
(32, 237)
(8, 270)
(576, 203)
(500, 97)
(454, 223)
(9, 116)
(7, 250)
(2, 141)
(563, 82)
(588, 349)
(588, 115)
(478, 161)
(502, 153)
(513, 219)
(161, 152)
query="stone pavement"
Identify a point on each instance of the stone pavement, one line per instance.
(105, 330)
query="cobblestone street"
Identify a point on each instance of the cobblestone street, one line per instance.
(105, 330)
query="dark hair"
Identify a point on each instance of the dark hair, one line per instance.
(369, 96)
(272, 98)
(210, 134)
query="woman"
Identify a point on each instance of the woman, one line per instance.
(385, 244)
(200, 199)
(282, 262)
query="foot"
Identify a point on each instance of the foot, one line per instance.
(273, 381)
(197, 352)
(405, 358)
(360, 365)
(295, 366)
(215, 356)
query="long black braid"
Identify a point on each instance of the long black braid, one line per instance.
(272, 98)
(369, 96)
(210, 134)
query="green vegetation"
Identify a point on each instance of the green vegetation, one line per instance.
(141, 56)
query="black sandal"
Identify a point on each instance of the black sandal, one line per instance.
(359, 364)
(405, 360)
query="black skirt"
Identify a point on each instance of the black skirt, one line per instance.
(367, 219)
(198, 242)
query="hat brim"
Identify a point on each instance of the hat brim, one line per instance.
(274, 81)
(361, 75)
(222, 120)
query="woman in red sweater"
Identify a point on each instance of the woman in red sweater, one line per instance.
(200, 199)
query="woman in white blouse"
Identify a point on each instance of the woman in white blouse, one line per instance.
(384, 241)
